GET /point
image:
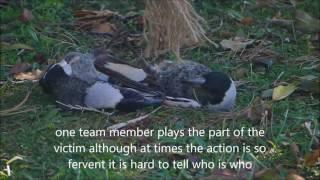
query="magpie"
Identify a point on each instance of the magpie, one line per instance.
(74, 81)
(186, 83)
(192, 80)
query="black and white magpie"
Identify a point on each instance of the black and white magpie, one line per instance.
(75, 81)
(185, 83)
(193, 80)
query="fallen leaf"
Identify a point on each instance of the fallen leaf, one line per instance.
(312, 158)
(247, 21)
(96, 21)
(26, 15)
(21, 67)
(87, 14)
(236, 44)
(260, 110)
(281, 92)
(104, 28)
(306, 23)
(34, 75)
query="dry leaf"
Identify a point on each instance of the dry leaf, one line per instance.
(34, 75)
(96, 21)
(260, 110)
(247, 21)
(19, 68)
(87, 14)
(236, 44)
(282, 92)
(26, 15)
(312, 158)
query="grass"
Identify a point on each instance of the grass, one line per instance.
(31, 134)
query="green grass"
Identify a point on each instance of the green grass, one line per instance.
(31, 134)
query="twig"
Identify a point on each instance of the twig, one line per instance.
(132, 121)
(15, 108)
(18, 112)
(18, 82)
(81, 108)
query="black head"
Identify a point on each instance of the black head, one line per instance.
(211, 87)
(53, 75)
(216, 82)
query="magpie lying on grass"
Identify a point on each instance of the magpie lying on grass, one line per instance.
(103, 81)
(192, 80)
(185, 83)
(75, 81)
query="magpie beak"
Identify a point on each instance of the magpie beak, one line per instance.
(87, 90)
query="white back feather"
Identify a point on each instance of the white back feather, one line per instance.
(130, 72)
(102, 95)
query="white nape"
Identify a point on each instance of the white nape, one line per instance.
(228, 101)
(66, 67)
(102, 95)
(130, 72)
